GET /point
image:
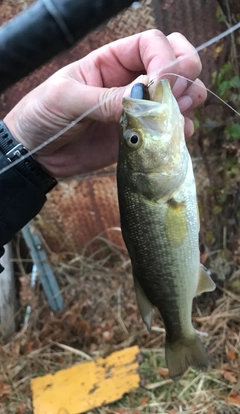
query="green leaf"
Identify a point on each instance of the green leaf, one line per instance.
(235, 82)
(220, 16)
(209, 237)
(225, 72)
(196, 124)
(234, 131)
(223, 88)
(235, 285)
(217, 209)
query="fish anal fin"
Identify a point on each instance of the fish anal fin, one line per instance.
(205, 282)
(184, 353)
(145, 307)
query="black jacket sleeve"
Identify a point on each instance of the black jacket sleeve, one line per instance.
(47, 28)
(20, 201)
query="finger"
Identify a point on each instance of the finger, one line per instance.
(122, 61)
(192, 97)
(185, 103)
(189, 62)
(156, 63)
(99, 104)
(197, 92)
(188, 128)
(179, 87)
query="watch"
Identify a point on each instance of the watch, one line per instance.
(28, 167)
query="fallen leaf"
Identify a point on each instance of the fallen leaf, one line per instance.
(183, 383)
(217, 51)
(5, 389)
(230, 353)
(30, 346)
(163, 372)
(120, 411)
(233, 399)
(144, 400)
(21, 408)
(227, 375)
(225, 367)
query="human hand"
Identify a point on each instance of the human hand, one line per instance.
(100, 78)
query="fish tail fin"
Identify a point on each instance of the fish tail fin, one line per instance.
(184, 353)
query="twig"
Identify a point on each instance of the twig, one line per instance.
(73, 350)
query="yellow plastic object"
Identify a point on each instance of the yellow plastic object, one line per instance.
(88, 385)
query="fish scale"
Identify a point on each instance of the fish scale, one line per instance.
(153, 271)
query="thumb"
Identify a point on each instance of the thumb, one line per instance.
(109, 104)
(110, 100)
(102, 104)
(92, 102)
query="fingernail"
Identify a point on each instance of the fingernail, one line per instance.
(185, 103)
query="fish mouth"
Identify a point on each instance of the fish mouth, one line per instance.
(161, 102)
(161, 92)
(140, 107)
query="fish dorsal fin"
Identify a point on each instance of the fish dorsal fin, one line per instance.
(205, 282)
(145, 307)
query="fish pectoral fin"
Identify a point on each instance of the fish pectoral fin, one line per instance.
(185, 353)
(145, 307)
(205, 282)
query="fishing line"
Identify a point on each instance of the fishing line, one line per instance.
(203, 87)
(218, 37)
(86, 113)
(55, 136)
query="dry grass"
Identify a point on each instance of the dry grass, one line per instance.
(101, 316)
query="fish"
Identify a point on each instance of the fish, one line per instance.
(160, 221)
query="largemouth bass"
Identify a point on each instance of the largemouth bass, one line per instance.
(160, 223)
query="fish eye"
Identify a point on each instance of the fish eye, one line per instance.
(133, 140)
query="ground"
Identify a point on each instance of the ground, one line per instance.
(101, 316)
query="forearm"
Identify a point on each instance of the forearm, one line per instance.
(20, 201)
(23, 191)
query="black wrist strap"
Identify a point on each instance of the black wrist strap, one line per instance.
(13, 150)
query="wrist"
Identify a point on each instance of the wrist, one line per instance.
(19, 156)
(11, 122)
